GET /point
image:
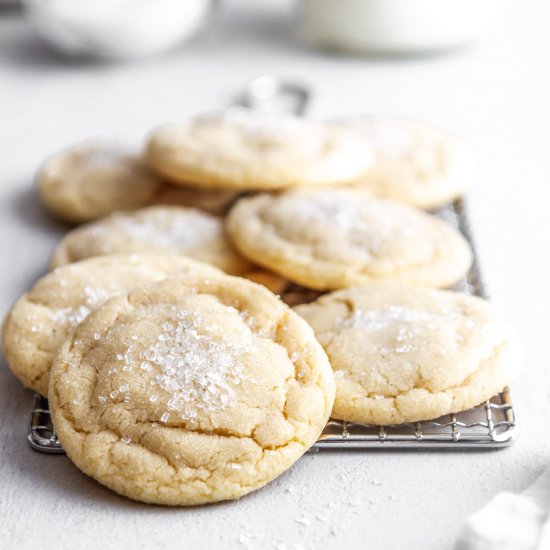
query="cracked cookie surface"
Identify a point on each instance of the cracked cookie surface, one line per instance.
(244, 149)
(409, 354)
(189, 391)
(330, 239)
(42, 319)
(167, 229)
(414, 163)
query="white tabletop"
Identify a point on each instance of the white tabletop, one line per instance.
(496, 94)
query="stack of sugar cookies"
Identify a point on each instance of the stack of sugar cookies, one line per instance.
(174, 372)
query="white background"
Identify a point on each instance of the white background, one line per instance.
(496, 94)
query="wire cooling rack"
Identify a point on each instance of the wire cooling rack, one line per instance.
(490, 425)
(41, 434)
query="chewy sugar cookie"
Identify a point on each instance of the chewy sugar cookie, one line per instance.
(414, 162)
(329, 239)
(189, 391)
(409, 354)
(41, 320)
(244, 149)
(95, 178)
(168, 229)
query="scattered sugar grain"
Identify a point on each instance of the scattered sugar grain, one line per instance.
(303, 520)
(246, 538)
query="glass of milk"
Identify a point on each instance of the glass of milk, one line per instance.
(396, 26)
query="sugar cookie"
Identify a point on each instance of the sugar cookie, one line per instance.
(93, 179)
(414, 163)
(168, 229)
(329, 239)
(244, 149)
(410, 354)
(189, 391)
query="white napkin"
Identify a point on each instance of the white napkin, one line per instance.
(511, 521)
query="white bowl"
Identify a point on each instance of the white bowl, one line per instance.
(396, 26)
(115, 28)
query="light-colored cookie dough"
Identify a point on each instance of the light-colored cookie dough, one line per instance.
(93, 179)
(409, 354)
(187, 392)
(244, 149)
(167, 229)
(414, 163)
(42, 319)
(329, 239)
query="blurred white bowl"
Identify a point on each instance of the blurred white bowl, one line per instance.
(396, 26)
(115, 28)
